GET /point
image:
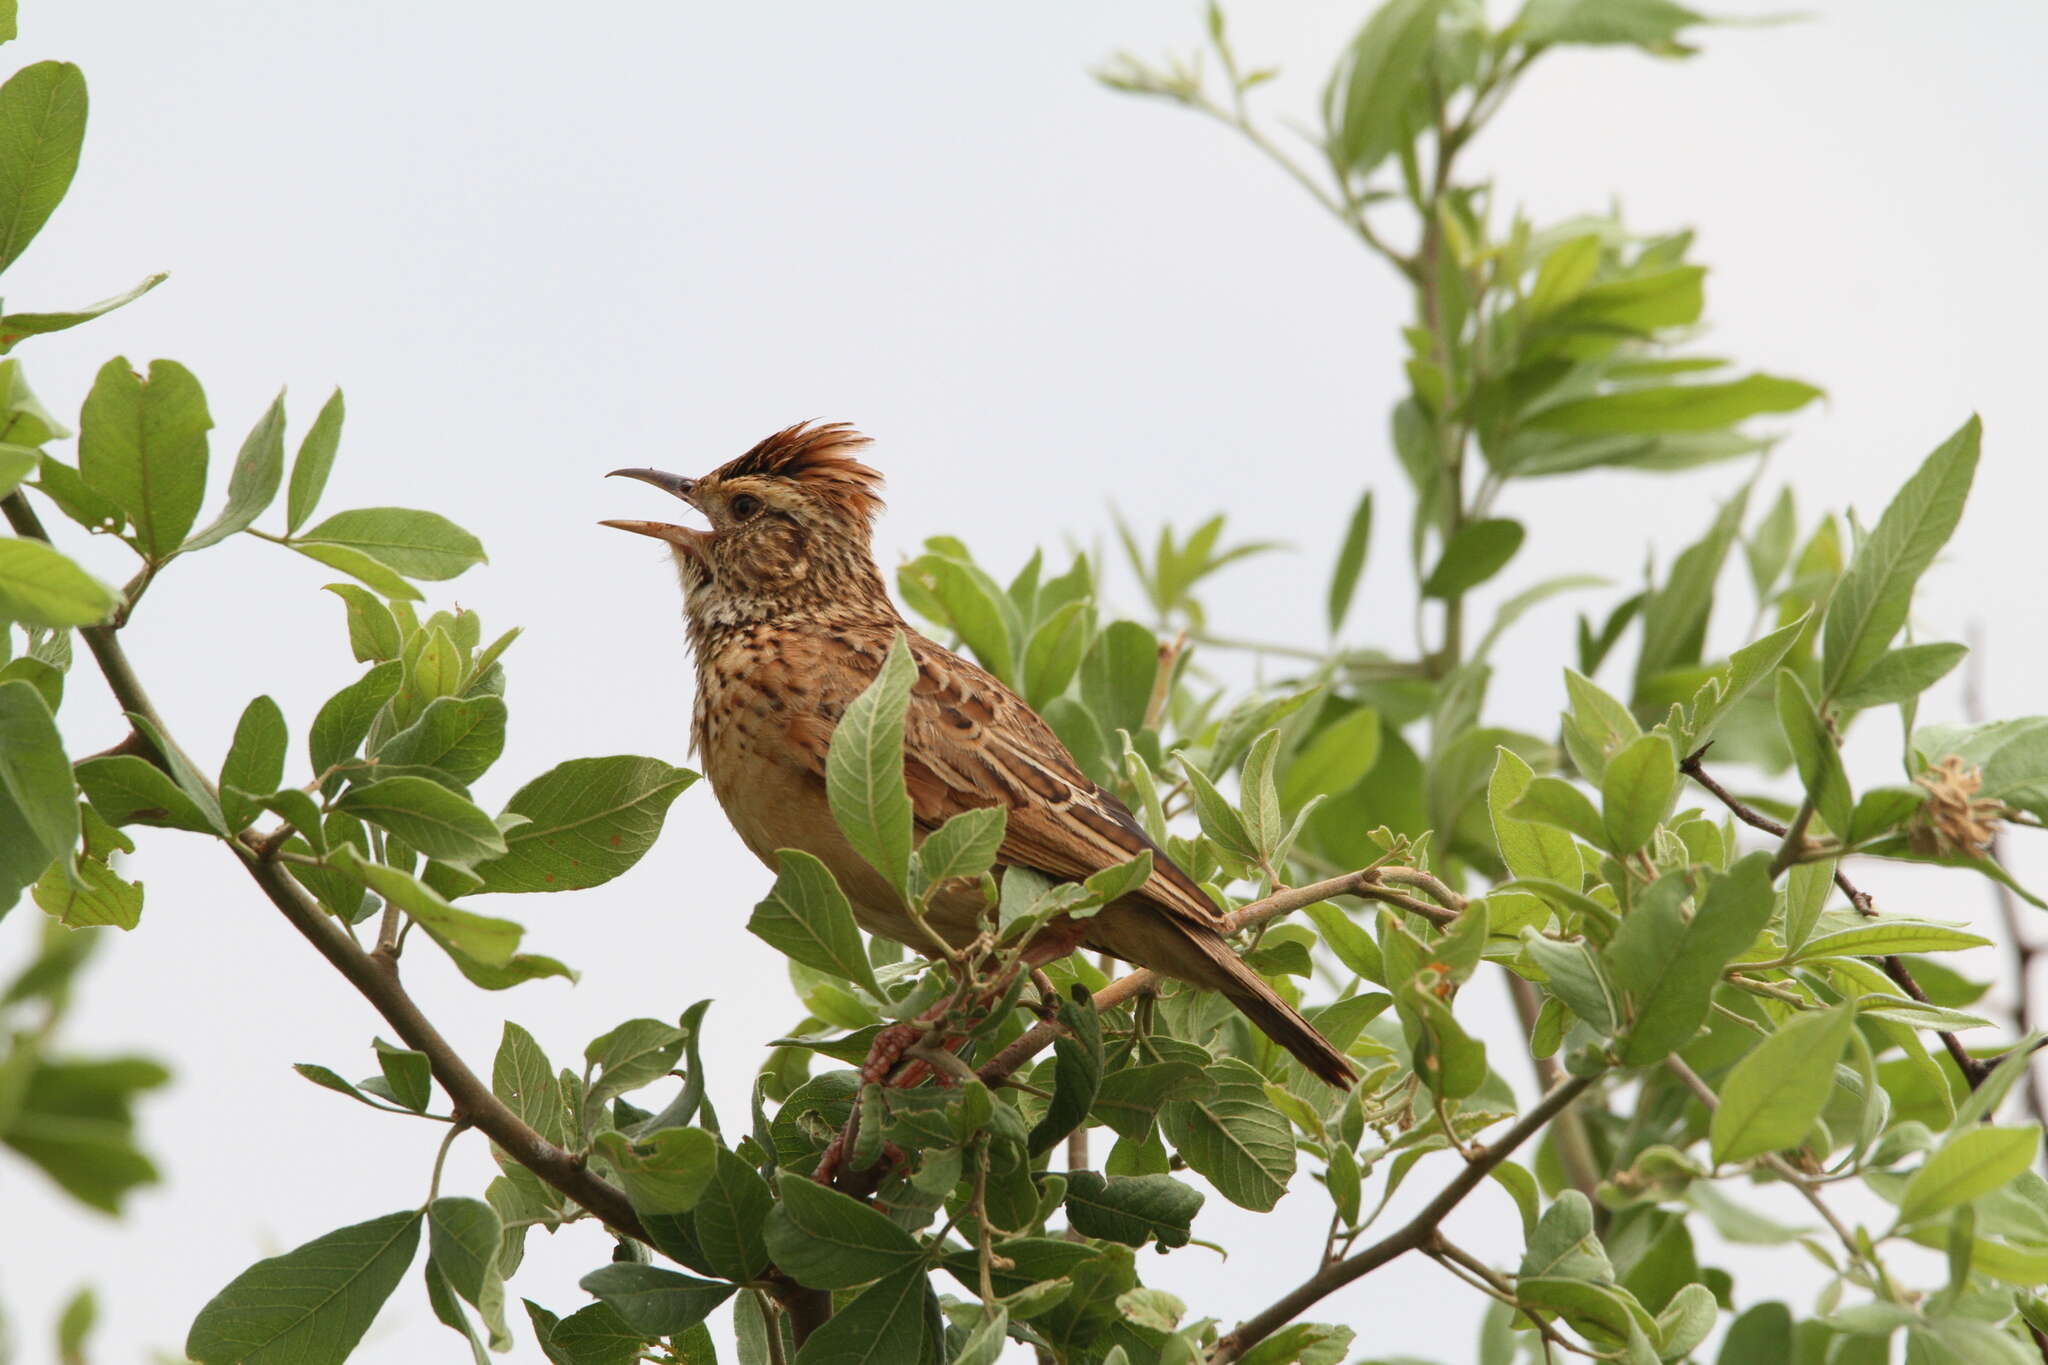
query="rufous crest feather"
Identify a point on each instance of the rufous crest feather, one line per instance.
(820, 456)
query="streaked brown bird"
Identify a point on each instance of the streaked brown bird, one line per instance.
(789, 621)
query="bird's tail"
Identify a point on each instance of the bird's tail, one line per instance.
(1202, 957)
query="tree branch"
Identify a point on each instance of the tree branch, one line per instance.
(1974, 1069)
(1414, 1233)
(375, 977)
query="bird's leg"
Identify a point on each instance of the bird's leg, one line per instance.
(1055, 941)
(889, 1047)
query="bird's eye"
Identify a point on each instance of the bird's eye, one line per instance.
(745, 505)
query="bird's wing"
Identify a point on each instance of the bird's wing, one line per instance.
(969, 742)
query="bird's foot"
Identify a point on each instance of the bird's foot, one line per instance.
(888, 1049)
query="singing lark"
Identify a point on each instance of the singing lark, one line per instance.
(789, 620)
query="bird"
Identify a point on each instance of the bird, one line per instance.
(788, 620)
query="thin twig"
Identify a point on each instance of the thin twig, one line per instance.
(1974, 1069)
(1408, 1237)
(1485, 1278)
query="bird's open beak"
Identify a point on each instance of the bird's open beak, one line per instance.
(682, 537)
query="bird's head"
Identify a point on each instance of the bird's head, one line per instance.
(790, 525)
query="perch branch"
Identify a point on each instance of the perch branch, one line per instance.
(375, 977)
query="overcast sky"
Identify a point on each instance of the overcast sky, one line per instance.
(534, 248)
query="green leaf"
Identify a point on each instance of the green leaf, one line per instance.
(259, 468)
(522, 1078)
(372, 630)
(1902, 675)
(408, 1074)
(142, 444)
(427, 816)
(1259, 802)
(415, 544)
(1774, 1094)
(1814, 752)
(1675, 615)
(1348, 940)
(1670, 965)
(965, 846)
(315, 460)
(463, 1240)
(1884, 936)
(1871, 602)
(864, 769)
(1302, 1343)
(360, 566)
(806, 917)
(15, 326)
(665, 1173)
(984, 1345)
(1350, 562)
(1235, 1139)
(255, 763)
(346, 717)
(1118, 674)
(1132, 1209)
(90, 895)
(1650, 24)
(726, 1226)
(41, 587)
(61, 484)
(1564, 1244)
(74, 1325)
(1553, 801)
(1532, 850)
(516, 970)
(42, 125)
(653, 1301)
(1675, 407)
(327, 1079)
(1746, 667)
(974, 609)
(593, 1335)
(17, 462)
(1334, 760)
(1053, 654)
(636, 1053)
(311, 1305)
(886, 1325)
(1973, 1162)
(828, 1240)
(483, 938)
(128, 790)
(459, 736)
(1220, 820)
(588, 820)
(1636, 791)
(38, 799)
(1130, 1097)
(1077, 1074)
(1476, 553)
(1366, 107)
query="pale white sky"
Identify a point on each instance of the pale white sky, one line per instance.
(534, 247)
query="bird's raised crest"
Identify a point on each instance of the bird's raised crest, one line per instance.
(821, 456)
